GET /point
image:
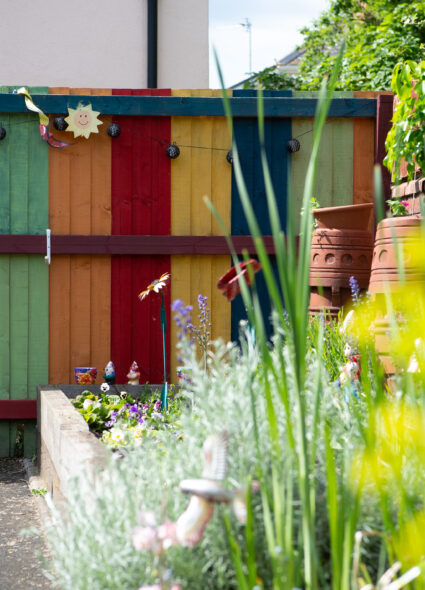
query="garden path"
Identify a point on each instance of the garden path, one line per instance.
(19, 565)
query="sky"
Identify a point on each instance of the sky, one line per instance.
(275, 26)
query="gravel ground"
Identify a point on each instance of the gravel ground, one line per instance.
(19, 565)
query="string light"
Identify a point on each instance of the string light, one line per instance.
(165, 143)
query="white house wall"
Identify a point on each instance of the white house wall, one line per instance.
(102, 43)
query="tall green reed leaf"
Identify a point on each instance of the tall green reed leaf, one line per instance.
(293, 273)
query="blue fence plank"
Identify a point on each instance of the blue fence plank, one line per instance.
(277, 133)
(277, 105)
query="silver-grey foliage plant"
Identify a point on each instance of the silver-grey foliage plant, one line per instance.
(289, 429)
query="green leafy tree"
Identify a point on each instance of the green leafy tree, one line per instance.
(378, 34)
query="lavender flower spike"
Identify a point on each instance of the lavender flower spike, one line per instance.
(355, 290)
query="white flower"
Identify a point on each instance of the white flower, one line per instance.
(117, 435)
(104, 387)
(90, 403)
(155, 286)
(347, 323)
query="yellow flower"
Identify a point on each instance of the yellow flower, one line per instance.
(155, 286)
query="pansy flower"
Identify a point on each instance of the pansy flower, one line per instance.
(229, 282)
(155, 286)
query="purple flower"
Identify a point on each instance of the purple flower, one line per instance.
(112, 420)
(182, 316)
(355, 290)
(157, 405)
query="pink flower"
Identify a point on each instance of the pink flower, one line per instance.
(145, 538)
(167, 534)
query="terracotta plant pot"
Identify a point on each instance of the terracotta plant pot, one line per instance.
(392, 233)
(346, 217)
(341, 248)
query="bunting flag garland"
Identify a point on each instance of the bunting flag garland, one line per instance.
(45, 134)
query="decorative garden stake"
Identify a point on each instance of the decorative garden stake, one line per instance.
(208, 491)
(133, 374)
(109, 374)
(229, 282)
(205, 493)
(44, 121)
(83, 121)
(156, 286)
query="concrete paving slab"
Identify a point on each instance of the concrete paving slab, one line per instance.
(20, 568)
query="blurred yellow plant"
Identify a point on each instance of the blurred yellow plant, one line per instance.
(397, 440)
(409, 543)
(394, 322)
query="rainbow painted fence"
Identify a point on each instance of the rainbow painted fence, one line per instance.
(121, 213)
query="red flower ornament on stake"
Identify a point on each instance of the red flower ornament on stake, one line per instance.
(229, 282)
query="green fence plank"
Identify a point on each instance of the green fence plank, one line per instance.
(4, 349)
(38, 322)
(4, 326)
(19, 326)
(38, 177)
(334, 180)
(18, 170)
(24, 280)
(30, 439)
(4, 176)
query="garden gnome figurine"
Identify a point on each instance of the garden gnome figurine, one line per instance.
(109, 374)
(134, 374)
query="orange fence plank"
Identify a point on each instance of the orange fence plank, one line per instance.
(80, 203)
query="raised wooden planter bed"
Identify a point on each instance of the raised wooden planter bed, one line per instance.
(65, 445)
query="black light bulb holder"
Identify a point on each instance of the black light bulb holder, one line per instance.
(113, 130)
(59, 123)
(293, 145)
(2, 132)
(172, 151)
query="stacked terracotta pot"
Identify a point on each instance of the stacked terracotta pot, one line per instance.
(341, 248)
(392, 234)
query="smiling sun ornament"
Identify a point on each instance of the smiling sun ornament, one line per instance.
(83, 121)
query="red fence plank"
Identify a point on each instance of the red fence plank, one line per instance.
(384, 114)
(140, 206)
(18, 409)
